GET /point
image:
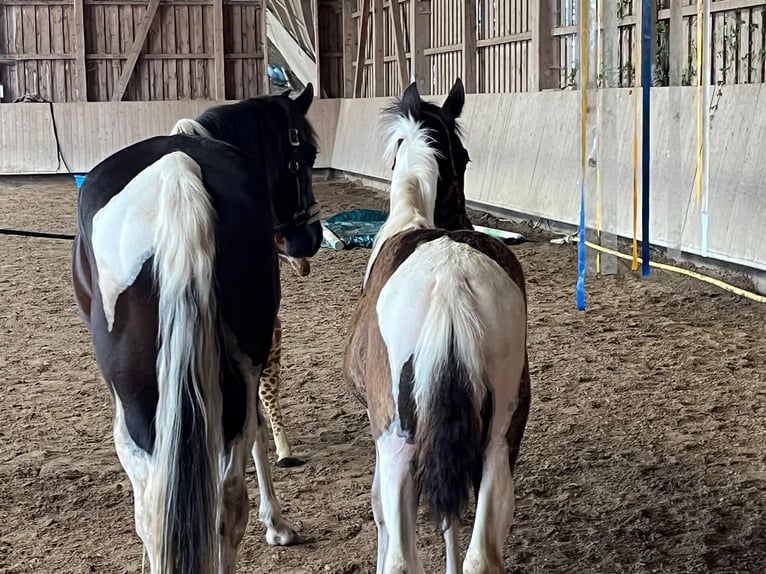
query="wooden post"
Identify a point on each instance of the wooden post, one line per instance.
(135, 50)
(319, 92)
(219, 83)
(264, 49)
(349, 45)
(420, 41)
(79, 81)
(361, 48)
(469, 46)
(401, 55)
(378, 48)
(544, 57)
(310, 11)
(676, 43)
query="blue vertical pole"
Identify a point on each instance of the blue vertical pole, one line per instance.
(646, 83)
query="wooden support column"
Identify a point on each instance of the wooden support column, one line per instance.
(420, 41)
(469, 46)
(349, 48)
(319, 90)
(676, 43)
(264, 47)
(544, 56)
(135, 50)
(219, 78)
(361, 48)
(79, 80)
(638, 8)
(401, 53)
(378, 49)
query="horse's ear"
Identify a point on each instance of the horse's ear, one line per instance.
(453, 105)
(304, 100)
(411, 98)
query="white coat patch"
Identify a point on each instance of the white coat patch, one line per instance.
(124, 229)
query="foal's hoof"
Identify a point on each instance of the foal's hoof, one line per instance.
(290, 462)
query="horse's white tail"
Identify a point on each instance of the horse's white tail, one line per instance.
(184, 483)
(190, 127)
(449, 392)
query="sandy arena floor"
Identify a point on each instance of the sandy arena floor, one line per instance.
(645, 449)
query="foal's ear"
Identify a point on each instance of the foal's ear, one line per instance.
(304, 100)
(453, 105)
(411, 98)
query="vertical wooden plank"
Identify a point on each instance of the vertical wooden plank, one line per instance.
(197, 47)
(398, 32)
(58, 86)
(126, 41)
(469, 46)
(675, 44)
(420, 14)
(378, 46)
(544, 54)
(235, 37)
(97, 32)
(184, 47)
(361, 48)
(13, 27)
(114, 69)
(263, 23)
(349, 48)
(137, 45)
(29, 35)
(219, 82)
(170, 67)
(42, 16)
(156, 77)
(250, 84)
(743, 46)
(757, 41)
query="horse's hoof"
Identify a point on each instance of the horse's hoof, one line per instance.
(290, 462)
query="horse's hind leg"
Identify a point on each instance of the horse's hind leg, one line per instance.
(136, 463)
(268, 392)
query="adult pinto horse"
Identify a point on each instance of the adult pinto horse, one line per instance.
(176, 277)
(437, 351)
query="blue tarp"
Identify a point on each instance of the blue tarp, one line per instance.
(356, 227)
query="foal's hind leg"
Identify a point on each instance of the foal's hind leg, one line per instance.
(399, 505)
(496, 503)
(269, 395)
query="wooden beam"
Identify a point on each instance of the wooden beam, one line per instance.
(544, 55)
(378, 49)
(361, 47)
(349, 52)
(319, 90)
(676, 44)
(219, 78)
(469, 46)
(401, 56)
(79, 81)
(420, 40)
(135, 50)
(264, 46)
(310, 10)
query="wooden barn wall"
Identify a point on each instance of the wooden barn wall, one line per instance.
(514, 138)
(42, 51)
(89, 131)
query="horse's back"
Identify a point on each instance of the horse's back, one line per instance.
(119, 195)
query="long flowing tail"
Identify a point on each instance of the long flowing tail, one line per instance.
(449, 393)
(184, 482)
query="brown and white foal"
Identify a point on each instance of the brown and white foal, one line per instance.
(437, 351)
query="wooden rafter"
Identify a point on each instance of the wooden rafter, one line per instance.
(135, 50)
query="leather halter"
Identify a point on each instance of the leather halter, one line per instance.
(304, 215)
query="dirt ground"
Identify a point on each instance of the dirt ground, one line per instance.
(645, 449)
